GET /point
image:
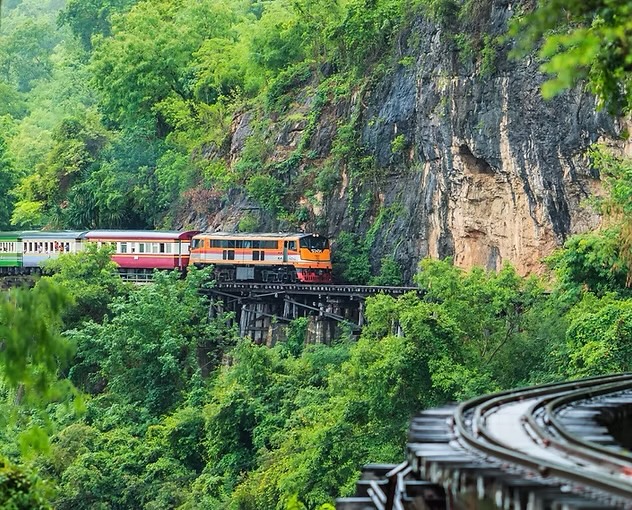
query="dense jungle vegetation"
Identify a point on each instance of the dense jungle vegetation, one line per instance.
(116, 396)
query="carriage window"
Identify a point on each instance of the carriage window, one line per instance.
(291, 245)
(247, 244)
(239, 244)
(162, 247)
(197, 243)
(270, 245)
(123, 248)
(141, 247)
(228, 255)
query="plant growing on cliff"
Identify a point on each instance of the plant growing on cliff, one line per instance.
(390, 273)
(399, 144)
(266, 190)
(488, 55)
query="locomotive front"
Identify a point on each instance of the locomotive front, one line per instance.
(264, 257)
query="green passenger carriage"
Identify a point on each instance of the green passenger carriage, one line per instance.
(10, 252)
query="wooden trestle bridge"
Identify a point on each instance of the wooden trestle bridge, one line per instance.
(263, 309)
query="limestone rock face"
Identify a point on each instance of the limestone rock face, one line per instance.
(469, 160)
(491, 172)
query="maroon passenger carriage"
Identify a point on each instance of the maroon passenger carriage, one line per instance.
(139, 252)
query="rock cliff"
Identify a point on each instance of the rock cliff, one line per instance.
(464, 155)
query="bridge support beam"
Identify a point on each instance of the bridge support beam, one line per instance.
(262, 311)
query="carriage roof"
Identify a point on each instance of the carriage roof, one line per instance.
(140, 234)
(255, 235)
(45, 235)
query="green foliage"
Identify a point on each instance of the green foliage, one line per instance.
(267, 191)
(296, 336)
(328, 179)
(33, 348)
(601, 262)
(443, 11)
(77, 146)
(368, 28)
(590, 262)
(249, 223)
(488, 56)
(495, 312)
(465, 47)
(581, 40)
(13, 104)
(91, 278)
(351, 259)
(26, 48)
(147, 352)
(399, 144)
(287, 81)
(88, 18)
(116, 467)
(599, 337)
(8, 179)
(390, 273)
(21, 490)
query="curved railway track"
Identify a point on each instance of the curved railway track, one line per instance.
(548, 446)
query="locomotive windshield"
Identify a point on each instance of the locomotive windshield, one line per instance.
(314, 243)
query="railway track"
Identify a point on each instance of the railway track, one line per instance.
(549, 446)
(329, 289)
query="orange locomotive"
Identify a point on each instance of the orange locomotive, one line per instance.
(264, 257)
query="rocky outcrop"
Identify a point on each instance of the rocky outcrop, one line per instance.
(468, 158)
(494, 172)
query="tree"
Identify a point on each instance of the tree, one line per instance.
(147, 353)
(87, 18)
(591, 262)
(25, 52)
(91, 278)
(21, 489)
(599, 337)
(76, 149)
(601, 261)
(497, 314)
(8, 179)
(32, 349)
(133, 87)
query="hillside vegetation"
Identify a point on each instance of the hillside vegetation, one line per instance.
(115, 396)
(116, 107)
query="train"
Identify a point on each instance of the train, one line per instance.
(236, 257)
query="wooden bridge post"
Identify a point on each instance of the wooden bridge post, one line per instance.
(361, 313)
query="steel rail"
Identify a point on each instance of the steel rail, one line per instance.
(623, 458)
(490, 446)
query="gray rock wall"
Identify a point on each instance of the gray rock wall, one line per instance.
(490, 172)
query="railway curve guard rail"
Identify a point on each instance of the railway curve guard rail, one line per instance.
(455, 461)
